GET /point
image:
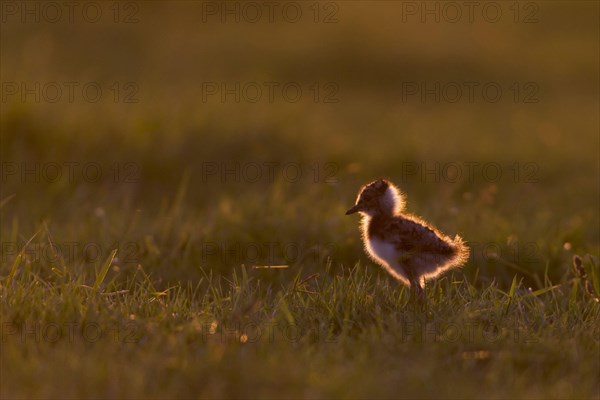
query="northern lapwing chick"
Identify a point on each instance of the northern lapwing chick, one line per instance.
(406, 246)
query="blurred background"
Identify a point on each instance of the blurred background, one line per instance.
(200, 136)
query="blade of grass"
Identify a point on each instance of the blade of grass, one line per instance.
(542, 291)
(17, 262)
(283, 307)
(14, 268)
(511, 293)
(104, 270)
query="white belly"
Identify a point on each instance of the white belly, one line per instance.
(387, 256)
(382, 251)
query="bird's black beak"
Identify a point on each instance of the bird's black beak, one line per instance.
(353, 210)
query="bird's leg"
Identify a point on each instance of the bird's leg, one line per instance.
(418, 294)
(417, 291)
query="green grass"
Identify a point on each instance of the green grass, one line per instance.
(345, 334)
(141, 284)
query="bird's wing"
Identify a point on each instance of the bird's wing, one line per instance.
(414, 237)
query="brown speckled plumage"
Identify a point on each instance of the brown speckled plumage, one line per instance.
(408, 247)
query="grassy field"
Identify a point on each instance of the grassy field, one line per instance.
(157, 157)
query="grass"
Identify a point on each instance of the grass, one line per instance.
(345, 334)
(140, 283)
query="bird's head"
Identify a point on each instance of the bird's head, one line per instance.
(378, 197)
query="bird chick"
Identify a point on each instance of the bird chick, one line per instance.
(410, 249)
